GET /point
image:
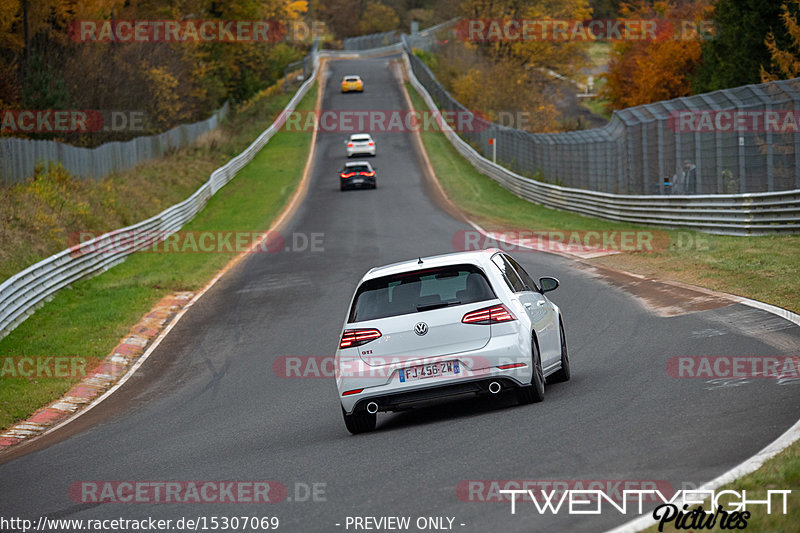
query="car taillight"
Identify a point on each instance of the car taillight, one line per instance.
(354, 391)
(489, 315)
(371, 143)
(512, 365)
(356, 337)
(368, 174)
(345, 175)
(349, 145)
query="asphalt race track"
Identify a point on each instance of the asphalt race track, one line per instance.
(208, 404)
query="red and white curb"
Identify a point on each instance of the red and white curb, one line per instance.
(118, 363)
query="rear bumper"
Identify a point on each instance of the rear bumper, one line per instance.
(398, 401)
(360, 151)
(479, 366)
(349, 183)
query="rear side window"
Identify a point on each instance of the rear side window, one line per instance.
(524, 276)
(414, 292)
(509, 274)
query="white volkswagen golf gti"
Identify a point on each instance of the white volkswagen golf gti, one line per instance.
(455, 324)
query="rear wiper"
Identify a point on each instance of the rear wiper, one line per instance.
(437, 305)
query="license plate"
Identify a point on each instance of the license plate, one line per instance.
(358, 180)
(431, 370)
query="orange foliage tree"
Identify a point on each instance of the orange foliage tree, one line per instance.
(646, 71)
(786, 61)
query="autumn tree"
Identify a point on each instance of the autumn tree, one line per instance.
(505, 77)
(646, 71)
(785, 61)
(378, 18)
(43, 65)
(736, 54)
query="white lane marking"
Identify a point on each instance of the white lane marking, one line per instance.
(748, 465)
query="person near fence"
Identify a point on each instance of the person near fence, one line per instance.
(689, 177)
(685, 182)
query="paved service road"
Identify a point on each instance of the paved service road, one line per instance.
(208, 404)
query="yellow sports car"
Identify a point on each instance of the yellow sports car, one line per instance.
(352, 83)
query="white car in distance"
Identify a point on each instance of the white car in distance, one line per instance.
(360, 144)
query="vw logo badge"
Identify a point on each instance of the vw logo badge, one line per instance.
(421, 328)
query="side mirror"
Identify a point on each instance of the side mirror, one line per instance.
(548, 284)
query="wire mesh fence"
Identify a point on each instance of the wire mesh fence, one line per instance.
(19, 157)
(741, 140)
(374, 40)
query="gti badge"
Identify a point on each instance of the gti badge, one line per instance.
(421, 328)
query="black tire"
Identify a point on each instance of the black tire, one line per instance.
(564, 373)
(342, 187)
(534, 392)
(359, 422)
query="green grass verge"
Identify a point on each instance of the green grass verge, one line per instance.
(88, 319)
(782, 472)
(762, 268)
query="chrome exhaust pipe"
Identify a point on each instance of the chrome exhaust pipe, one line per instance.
(372, 408)
(494, 387)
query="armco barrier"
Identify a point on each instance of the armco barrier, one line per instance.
(726, 214)
(21, 294)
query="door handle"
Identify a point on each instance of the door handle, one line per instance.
(540, 303)
(528, 304)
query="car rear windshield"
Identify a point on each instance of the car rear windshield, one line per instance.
(424, 290)
(360, 138)
(356, 168)
(351, 79)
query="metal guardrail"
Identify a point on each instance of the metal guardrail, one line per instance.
(738, 140)
(19, 157)
(23, 293)
(727, 214)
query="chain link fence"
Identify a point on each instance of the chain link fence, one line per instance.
(742, 140)
(19, 157)
(374, 40)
